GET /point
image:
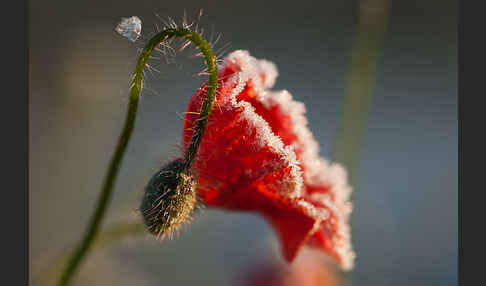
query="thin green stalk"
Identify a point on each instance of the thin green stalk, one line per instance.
(135, 89)
(371, 29)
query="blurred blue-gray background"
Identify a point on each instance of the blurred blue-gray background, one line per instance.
(404, 222)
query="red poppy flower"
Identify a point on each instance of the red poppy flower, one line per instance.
(257, 154)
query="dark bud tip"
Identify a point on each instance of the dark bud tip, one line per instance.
(169, 199)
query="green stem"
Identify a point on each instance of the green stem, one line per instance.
(371, 29)
(135, 89)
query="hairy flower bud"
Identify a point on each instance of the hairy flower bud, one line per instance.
(169, 199)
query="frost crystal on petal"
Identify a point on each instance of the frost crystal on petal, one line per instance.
(130, 28)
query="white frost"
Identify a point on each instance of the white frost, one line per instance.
(130, 28)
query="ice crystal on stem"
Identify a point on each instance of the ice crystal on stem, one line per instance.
(130, 28)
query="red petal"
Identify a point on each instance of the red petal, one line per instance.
(241, 164)
(294, 226)
(246, 161)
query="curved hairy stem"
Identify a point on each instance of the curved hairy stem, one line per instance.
(207, 106)
(135, 89)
